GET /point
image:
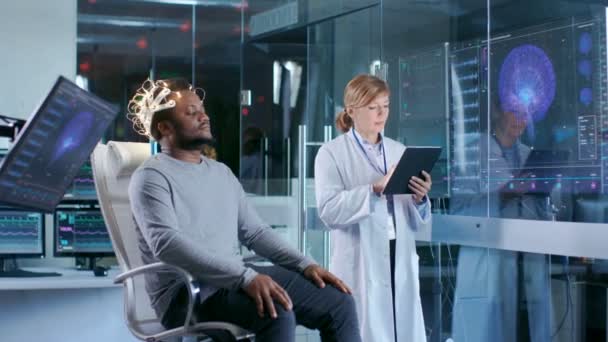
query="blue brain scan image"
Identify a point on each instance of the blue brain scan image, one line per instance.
(527, 82)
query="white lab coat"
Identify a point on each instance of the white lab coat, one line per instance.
(358, 220)
(486, 295)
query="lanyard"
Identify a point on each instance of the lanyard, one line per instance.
(374, 165)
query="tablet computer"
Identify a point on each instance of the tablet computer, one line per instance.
(412, 162)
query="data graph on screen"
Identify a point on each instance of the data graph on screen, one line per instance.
(83, 185)
(545, 88)
(81, 232)
(21, 232)
(468, 68)
(422, 107)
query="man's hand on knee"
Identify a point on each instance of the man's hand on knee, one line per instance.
(263, 290)
(320, 276)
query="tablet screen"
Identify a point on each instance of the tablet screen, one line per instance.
(414, 160)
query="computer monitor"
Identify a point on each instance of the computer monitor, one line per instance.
(21, 235)
(83, 185)
(54, 144)
(81, 233)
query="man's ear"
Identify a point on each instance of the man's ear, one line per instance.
(165, 128)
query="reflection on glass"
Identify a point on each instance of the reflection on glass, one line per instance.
(468, 66)
(422, 106)
(252, 163)
(275, 74)
(487, 296)
(492, 288)
(533, 148)
(509, 161)
(514, 296)
(533, 76)
(528, 153)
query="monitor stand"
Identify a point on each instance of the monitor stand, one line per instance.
(9, 269)
(86, 263)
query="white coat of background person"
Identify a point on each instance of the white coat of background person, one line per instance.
(350, 175)
(487, 298)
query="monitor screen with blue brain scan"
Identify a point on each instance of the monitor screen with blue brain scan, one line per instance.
(54, 144)
(544, 87)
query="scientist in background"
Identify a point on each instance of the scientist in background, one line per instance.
(487, 297)
(373, 246)
(252, 161)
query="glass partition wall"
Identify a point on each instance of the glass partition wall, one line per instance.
(292, 86)
(121, 43)
(515, 94)
(526, 165)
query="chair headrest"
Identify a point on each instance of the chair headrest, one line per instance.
(125, 157)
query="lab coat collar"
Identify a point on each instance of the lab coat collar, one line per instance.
(363, 141)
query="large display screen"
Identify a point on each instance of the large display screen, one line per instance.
(422, 108)
(54, 144)
(526, 115)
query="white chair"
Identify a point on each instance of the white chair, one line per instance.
(113, 165)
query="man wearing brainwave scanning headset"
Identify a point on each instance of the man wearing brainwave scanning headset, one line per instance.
(191, 212)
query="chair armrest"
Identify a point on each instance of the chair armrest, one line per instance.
(254, 258)
(151, 268)
(191, 285)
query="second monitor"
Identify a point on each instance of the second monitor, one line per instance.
(81, 233)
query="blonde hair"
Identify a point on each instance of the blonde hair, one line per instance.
(359, 92)
(209, 152)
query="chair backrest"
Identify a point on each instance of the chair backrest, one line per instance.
(113, 164)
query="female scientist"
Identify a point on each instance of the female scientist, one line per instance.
(373, 247)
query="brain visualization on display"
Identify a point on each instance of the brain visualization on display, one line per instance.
(526, 84)
(54, 145)
(73, 134)
(549, 78)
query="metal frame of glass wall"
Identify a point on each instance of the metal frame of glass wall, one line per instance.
(514, 92)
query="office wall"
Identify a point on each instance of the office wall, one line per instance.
(38, 43)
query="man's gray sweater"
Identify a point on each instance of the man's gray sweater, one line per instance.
(193, 216)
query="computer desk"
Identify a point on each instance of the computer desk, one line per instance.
(70, 278)
(76, 306)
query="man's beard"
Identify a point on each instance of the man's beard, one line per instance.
(192, 144)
